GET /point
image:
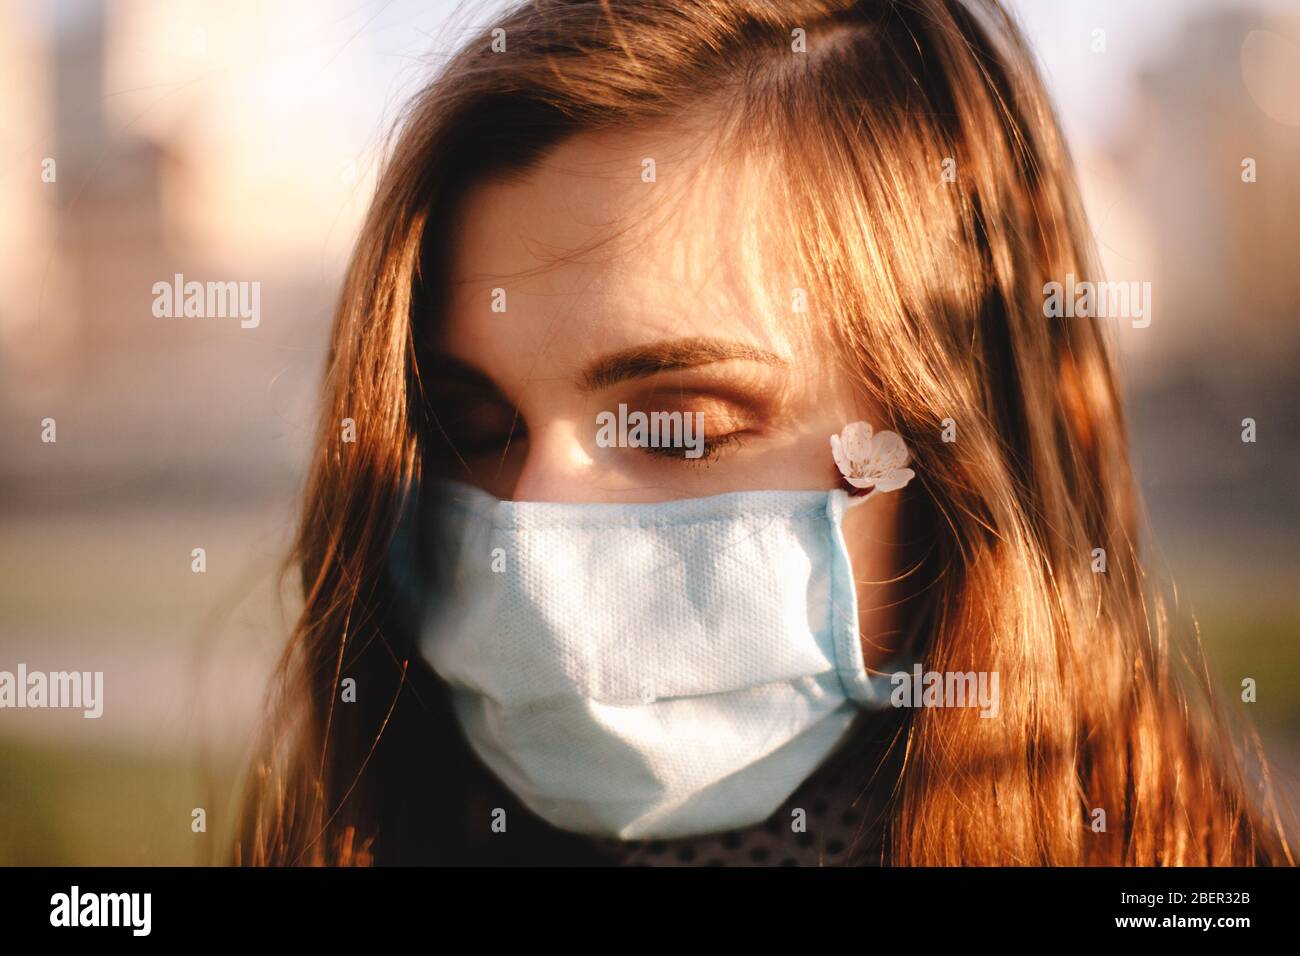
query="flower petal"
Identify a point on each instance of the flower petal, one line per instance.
(855, 439)
(894, 479)
(837, 452)
(888, 451)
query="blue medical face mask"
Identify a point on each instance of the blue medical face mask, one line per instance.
(649, 670)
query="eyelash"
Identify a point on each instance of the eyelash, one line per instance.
(712, 451)
(476, 447)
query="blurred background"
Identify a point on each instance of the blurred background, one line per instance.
(238, 140)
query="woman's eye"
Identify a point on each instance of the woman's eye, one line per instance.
(694, 433)
(475, 428)
(708, 450)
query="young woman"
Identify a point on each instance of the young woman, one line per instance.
(692, 379)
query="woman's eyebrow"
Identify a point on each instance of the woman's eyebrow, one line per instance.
(642, 361)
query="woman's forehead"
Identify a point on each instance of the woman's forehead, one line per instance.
(600, 247)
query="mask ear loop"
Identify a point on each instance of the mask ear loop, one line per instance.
(872, 463)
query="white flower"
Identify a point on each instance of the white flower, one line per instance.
(871, 463)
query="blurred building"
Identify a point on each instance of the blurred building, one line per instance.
(1224, 343)
(143, 190)
(1223, 251)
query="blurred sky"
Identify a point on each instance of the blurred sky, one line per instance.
(1093, 98)
(274, 114)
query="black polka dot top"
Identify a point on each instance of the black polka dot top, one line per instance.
(826, 822)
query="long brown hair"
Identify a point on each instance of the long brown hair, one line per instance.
(930, 199)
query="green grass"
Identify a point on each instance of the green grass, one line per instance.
(1260, 644)
(77, 807)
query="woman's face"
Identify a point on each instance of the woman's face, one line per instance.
(665, 296)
